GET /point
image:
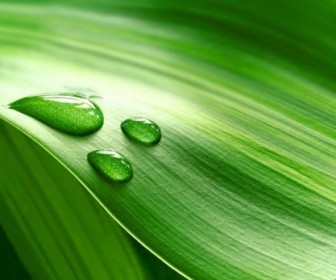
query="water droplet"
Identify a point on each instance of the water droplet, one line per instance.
(75, 94)
(142, 130)
(111, 165)
(82, 92)
(71, 114)
(86, 95)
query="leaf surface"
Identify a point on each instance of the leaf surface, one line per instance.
(242, 183)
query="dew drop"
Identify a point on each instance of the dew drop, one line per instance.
(111, 165)
(68, 113)
(141, 130)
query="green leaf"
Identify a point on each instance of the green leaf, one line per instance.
(242, 183)
(57, 230)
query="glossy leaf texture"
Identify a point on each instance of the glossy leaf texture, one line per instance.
(242, 183)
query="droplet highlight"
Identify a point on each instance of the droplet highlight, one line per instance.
(65, 112)
(112, 165)
(142, 130)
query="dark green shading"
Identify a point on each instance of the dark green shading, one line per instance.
(111, 165)
(68, 113)
(155, 267)
(11, 267)
(142, 130)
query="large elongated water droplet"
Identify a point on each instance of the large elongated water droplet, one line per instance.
(71, 114)
(111, 165)
(142, 130)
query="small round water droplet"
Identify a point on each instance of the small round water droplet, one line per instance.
(142, 130)
(68, 113)
(111, 165)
